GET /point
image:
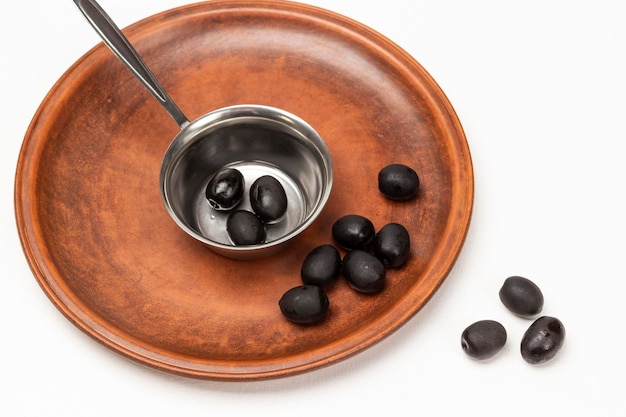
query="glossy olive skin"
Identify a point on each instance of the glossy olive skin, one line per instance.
(543, 340)
(305, 304)
(244, 228)
(398, 182)
(521, 296)
(225, 189)
(353, 231)
(268, 198)
(364, 272)
(392, 245)
(321, 266)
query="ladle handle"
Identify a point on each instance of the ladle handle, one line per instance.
(121, 47)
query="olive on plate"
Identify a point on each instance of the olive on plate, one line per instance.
(321, 266)
(398, 182)
(305, 304)
(392, 245)
(364, 272)
(353, 231)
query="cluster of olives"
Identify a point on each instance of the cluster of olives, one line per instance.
(268, 200)
(540, 343)
(368, 254)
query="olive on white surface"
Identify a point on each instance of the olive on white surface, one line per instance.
(543, 340)
(521, 296)
(483, 339)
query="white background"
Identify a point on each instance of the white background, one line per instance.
(540, 89)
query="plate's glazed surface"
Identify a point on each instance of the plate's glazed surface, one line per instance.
(103, 248)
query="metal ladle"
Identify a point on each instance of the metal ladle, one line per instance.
(257, 140)
(121, 47)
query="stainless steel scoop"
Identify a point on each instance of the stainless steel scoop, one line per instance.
(257, 140)
(121, 47)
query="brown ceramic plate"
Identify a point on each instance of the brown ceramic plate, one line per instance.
(105, 251)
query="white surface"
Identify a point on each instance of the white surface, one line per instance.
(540, 89)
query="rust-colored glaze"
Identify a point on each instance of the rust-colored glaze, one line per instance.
(105, 251)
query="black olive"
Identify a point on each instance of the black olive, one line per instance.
(225, 189)
(321, 266)
(244, 228)
(483, 339)
(392, 245)
(521, 296)
(543, 339)
(353, 232)
(268, 198)
(306, 304)
(398, 182)
(364, 272)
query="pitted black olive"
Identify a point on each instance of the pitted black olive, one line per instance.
(225, 189)
(364, 272)
(268, 198)
(483, 339)
(542, 341)
(353, 231)
(521, 296)
(321, 266)
(392, 245)
(306, 304)
(244, 228)
(398, 182)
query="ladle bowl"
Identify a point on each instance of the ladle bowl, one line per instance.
(255, 139)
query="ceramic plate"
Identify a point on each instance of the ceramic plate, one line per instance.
(103, 248)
